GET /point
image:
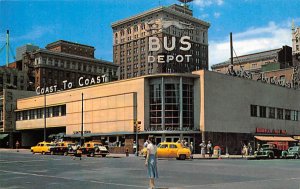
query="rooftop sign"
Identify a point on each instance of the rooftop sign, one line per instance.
(81, 82)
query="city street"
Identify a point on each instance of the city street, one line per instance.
(25, 170)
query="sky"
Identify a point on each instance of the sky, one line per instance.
(257, 25)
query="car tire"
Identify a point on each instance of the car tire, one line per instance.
(270, 156)
(65, 153)
(52, 153)
(182, 157)
(92, 154)
(296, 156)
(103, 155)
(43, 153)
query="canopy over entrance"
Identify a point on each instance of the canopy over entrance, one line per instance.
(2, 136)
(275, 138)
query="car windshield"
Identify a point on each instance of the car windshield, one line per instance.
(295, 148)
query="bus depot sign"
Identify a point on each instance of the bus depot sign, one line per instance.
(81, 82)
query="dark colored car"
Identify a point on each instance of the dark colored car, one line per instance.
(292, 152)
(64, 148)
(269, 151)
(94, 148)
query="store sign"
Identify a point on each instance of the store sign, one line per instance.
(167, 44)
(271, 131)
(82, 81)
(79, 132)
(294, 83)
(171, 129)
(154, 46)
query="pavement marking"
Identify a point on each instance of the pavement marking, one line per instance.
(241, 182)
(21, 161)
(93, 181)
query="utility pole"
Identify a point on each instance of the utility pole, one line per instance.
(81, 137)
(45, 107)
(7, 48)
(231, 49)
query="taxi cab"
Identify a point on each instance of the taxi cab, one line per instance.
(42, 147)
(170, 150)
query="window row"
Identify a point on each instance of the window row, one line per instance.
(273, 113)
(53, 111)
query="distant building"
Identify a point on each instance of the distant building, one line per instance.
(12, 78)
(8, 105)
(295, 39)
(23, 49)
(131, 42)
(61, 61)
(259, 62)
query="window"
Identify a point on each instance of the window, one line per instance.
(31, 114)
(294, 115)
(55, 111)
(25, 115)
(272, 113)
(19, 115)
(163, 146)
(63, 110)
(173, 146)
(279, 113)
(253, 110)
(48, 113)
(262, 111)
(287, 114)
(39, 113)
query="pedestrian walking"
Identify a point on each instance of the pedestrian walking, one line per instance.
(203, 146)
(249, 149)
(192, 149)
(17, 145)
(209, 148)
(151, 161)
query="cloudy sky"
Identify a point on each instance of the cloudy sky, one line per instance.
(257, 25)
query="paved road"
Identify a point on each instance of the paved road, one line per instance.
(24, 170)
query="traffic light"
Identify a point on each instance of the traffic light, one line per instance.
(139, 126)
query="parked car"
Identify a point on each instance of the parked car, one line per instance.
(170, 150)
(42, 147)
(94, 148)
(269, 151)
(64, 148)
(292, 152)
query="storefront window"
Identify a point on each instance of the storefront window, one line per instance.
(155, 106)
(172, 106)
(187, 104)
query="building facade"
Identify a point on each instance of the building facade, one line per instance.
(8, 105)
(64, 61)
(12, 78)
(259, 62)
(169, 106)
(296, 39)
(132, 39)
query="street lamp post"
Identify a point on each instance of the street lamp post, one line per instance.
(81, 136)
(45, 116)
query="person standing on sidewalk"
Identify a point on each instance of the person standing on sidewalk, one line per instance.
(209, 148)
(203, 146)
(151, 161)
(17, 145)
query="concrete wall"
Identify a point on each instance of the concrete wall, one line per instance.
(228, 100)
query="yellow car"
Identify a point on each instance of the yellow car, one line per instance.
(42, 147)
(170, 150)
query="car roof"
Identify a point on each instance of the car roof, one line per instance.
(169, 143)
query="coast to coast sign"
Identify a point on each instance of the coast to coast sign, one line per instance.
(82, 81)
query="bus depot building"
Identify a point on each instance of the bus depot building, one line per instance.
(203, 105)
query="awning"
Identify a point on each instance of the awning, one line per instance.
(2, 136)
(275, 138)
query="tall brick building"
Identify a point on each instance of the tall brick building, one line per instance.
(131, 41)
(63, 60)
